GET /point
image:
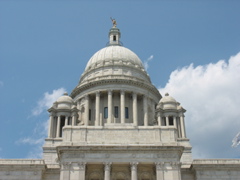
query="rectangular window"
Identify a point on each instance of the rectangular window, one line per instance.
(163, 121)
(89, 115)
(170, 118)
(105, 112)
(126, 113)
(116, 111)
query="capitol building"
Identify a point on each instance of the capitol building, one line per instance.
(115, 125)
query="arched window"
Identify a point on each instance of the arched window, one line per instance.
(114, 38)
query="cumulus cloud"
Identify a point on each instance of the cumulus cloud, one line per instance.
(236, 140)
(210, 93)
(47, 101)
(146, 63)
(36, 140)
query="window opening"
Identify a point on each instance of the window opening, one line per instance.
(114, 38)
(164, 121)
(126, 113)
(116, 111)
(62, 123)
(170, 118)
(90, 115)
(105, 112)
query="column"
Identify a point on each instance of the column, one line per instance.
(176, 170)
(97, 107)
(159, 120)
(80, 110)
(182, 126)
(58, 126)
(179, 128)
(109, 120)
(107, 170)
(82, 168)
(122, 100)
(153, 112)
(86, 110)
(159, 170)
(167, 121)
(77, 171)
(175, 121)
(66, 120)
(74, 118)
(134, 170)
(145, 111)
(64, 173)
(135, 112)
(50, 128)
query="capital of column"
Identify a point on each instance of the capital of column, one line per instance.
(122, 92)
(110, 92)
(159, 165)
(82, 165)
(86, 97)
(107, 166)
(134, 166)
(175, 165)
(97, 93)
(66, 165)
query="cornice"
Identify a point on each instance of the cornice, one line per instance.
(82, 87)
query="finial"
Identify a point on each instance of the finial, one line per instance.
(166, 94)
(65, 94)
(114, 22)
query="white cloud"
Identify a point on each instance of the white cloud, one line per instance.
(47, 101)
(146, 63)
(39, 133)
(236, 140)
(36, 140)
(210, 94)
(31, 141)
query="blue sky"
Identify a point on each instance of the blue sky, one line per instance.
(45, 46)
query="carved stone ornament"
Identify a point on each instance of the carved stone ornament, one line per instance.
(82, 165)
(82, 155)
(107, 155)
(134, 166)
(159, 165)
(107, 166)
(66, 165)
(175, 165)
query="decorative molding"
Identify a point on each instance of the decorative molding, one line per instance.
(134, 166)
(66, 165)
(84, 86)
(107, 155)
(82, 165)
(107, 166)
(160, 165)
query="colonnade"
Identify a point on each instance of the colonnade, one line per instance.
(178, 122)
(79, 172)
(55, 128)
(110, 104)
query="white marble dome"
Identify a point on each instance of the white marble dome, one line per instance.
(114, 54)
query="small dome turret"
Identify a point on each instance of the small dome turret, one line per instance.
(168, 102)
(64, 102)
